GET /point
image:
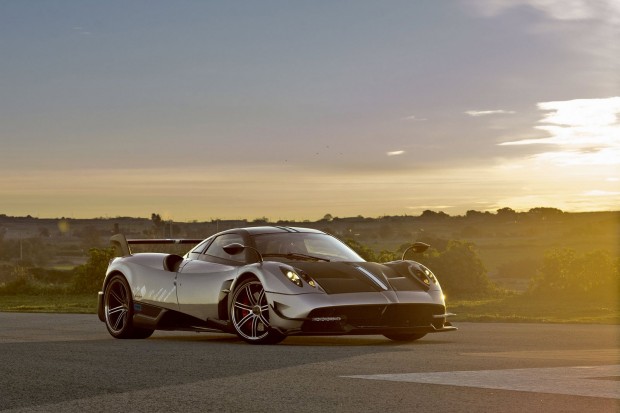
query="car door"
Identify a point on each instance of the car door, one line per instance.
(201, 281)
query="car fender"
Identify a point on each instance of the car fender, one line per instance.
(149, 282)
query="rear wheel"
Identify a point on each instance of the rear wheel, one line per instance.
(249, 313)
(119, 310)
(404, 336)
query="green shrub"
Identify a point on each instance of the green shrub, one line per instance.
(459, 269)
(564, 272)
(22, 281)
(363, 251)
(89, 277)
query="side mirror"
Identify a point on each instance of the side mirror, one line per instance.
(236, 248)
(417, 247)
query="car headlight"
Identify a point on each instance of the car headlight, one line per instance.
(423, 274)
(307, 279)
(292, 276)
(296, 277)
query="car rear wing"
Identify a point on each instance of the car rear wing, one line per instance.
(122, 244)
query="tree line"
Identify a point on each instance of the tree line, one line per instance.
(457, 265)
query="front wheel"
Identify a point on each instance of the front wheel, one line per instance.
(250, 314)
(119, 310)
(404, 336)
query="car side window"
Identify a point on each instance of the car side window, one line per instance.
(216, 249)
(200, 247)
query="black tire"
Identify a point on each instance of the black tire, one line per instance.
(118, 310)
(404, 336)
(249, 314)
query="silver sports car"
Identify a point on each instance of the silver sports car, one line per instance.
(266, 283)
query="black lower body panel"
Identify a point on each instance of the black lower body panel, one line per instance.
(158, 318)
(377, 319)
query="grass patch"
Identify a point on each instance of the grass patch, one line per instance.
(57, 303)
(528, 309)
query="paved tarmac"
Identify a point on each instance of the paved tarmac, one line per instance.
(69, 363)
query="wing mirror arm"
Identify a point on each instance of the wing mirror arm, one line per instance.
(417, 247)
(236, 248)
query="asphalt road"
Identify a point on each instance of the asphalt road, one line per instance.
(68, 363)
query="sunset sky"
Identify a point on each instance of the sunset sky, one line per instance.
(291, 110)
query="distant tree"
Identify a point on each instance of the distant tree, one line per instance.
(328, 218)
(438, 243)
(158, 224)
(89, 277)
(545, 213)
(329, 230)
(386, 256)
(459, 269)
(434, 215)
(564, 272)
(471, 214)
(506, 214)
(362, 250)
(261, 221)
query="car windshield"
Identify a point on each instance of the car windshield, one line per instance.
(301, 246)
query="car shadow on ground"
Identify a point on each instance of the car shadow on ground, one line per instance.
(300, 341)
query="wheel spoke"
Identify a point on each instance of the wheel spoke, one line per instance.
(120, 320)
(248, 293)
(242, 306)
(123, 294)
(116, 297)
(255, 322)
(115, 310)
(245, 319)
(261, 297)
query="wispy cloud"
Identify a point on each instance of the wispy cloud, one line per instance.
(414, 118)
(584, 131)
(395, 153)
(432, 207)
(571, 164)
(477, 113)
(597, 192)
(608, 10)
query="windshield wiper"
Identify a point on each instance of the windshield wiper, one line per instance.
(297, 255)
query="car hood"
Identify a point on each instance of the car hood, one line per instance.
(355, 277)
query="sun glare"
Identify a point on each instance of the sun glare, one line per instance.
(583, 132)
(581, 151)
